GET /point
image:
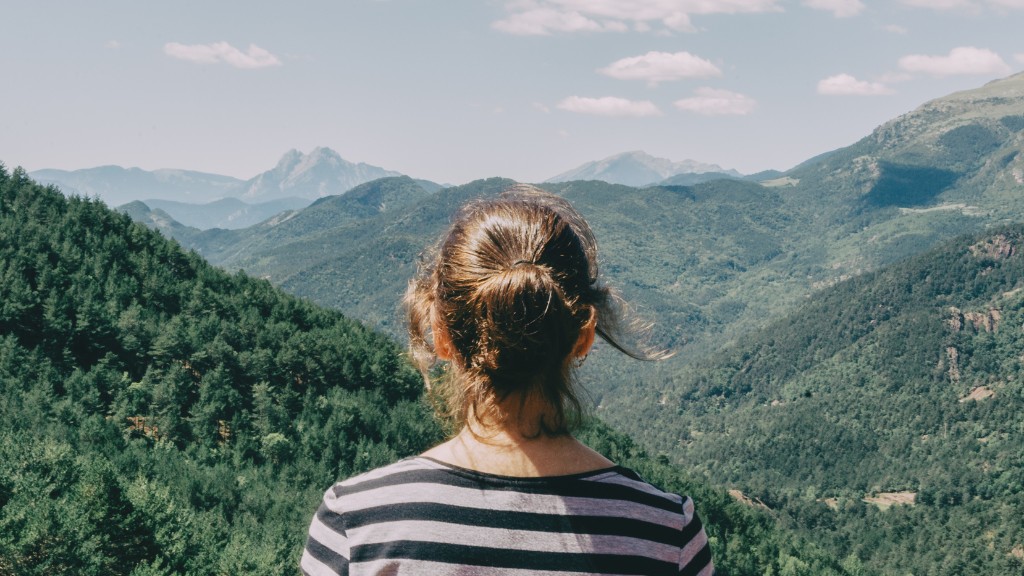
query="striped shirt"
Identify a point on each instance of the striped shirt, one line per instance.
(423, 517)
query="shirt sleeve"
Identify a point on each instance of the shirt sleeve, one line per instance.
(326, 552)
(695, 554)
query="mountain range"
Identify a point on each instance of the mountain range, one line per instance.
(201, 200)
(116, 185)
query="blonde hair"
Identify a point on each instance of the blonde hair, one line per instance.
(512, 284)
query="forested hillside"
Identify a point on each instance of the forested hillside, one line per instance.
(162, 416)
(901, 386)
(159, 416)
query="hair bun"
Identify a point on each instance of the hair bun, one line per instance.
(512, 285)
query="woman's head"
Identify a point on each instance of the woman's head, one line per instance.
(511, 297)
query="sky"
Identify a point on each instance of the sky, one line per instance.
(455, 90)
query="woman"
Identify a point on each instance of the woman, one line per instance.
(510, 304)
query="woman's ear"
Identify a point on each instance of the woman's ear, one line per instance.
(442, 343)
(586, 338)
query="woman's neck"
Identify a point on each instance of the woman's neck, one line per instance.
(507, 452)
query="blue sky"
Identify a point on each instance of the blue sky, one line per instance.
(454, 90)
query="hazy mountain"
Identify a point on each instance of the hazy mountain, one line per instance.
(228, 213)
(320, 173)
(116, 185)
(637, 169)
(158, 220)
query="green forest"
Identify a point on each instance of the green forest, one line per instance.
(160, 416)
(905, 384)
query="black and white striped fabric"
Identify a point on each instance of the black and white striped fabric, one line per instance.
(422, 517)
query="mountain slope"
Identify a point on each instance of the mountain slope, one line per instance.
(904, 382)
(227, 213)
(240, 248)
(157, 219)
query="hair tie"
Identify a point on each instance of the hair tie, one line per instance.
(518, 262)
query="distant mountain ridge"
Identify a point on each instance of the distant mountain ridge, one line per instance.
(228, 213)
(116, 185)
(638, 168)
(320, 173)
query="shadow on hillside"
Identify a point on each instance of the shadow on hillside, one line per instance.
(906, 186)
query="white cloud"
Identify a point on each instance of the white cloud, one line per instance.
(543, 21)
(1019, 57)
(112, 44)
(965, 60)
(715, 102)
(655, 67)
(839, 8)
(847, 85)
(542, 17)
(254, 57)
(895, 29)
(609, 106)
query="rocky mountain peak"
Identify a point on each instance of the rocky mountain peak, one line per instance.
(321, 172)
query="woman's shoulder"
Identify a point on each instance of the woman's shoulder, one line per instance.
(404, 470)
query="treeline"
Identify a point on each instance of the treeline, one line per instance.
(159, 416)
